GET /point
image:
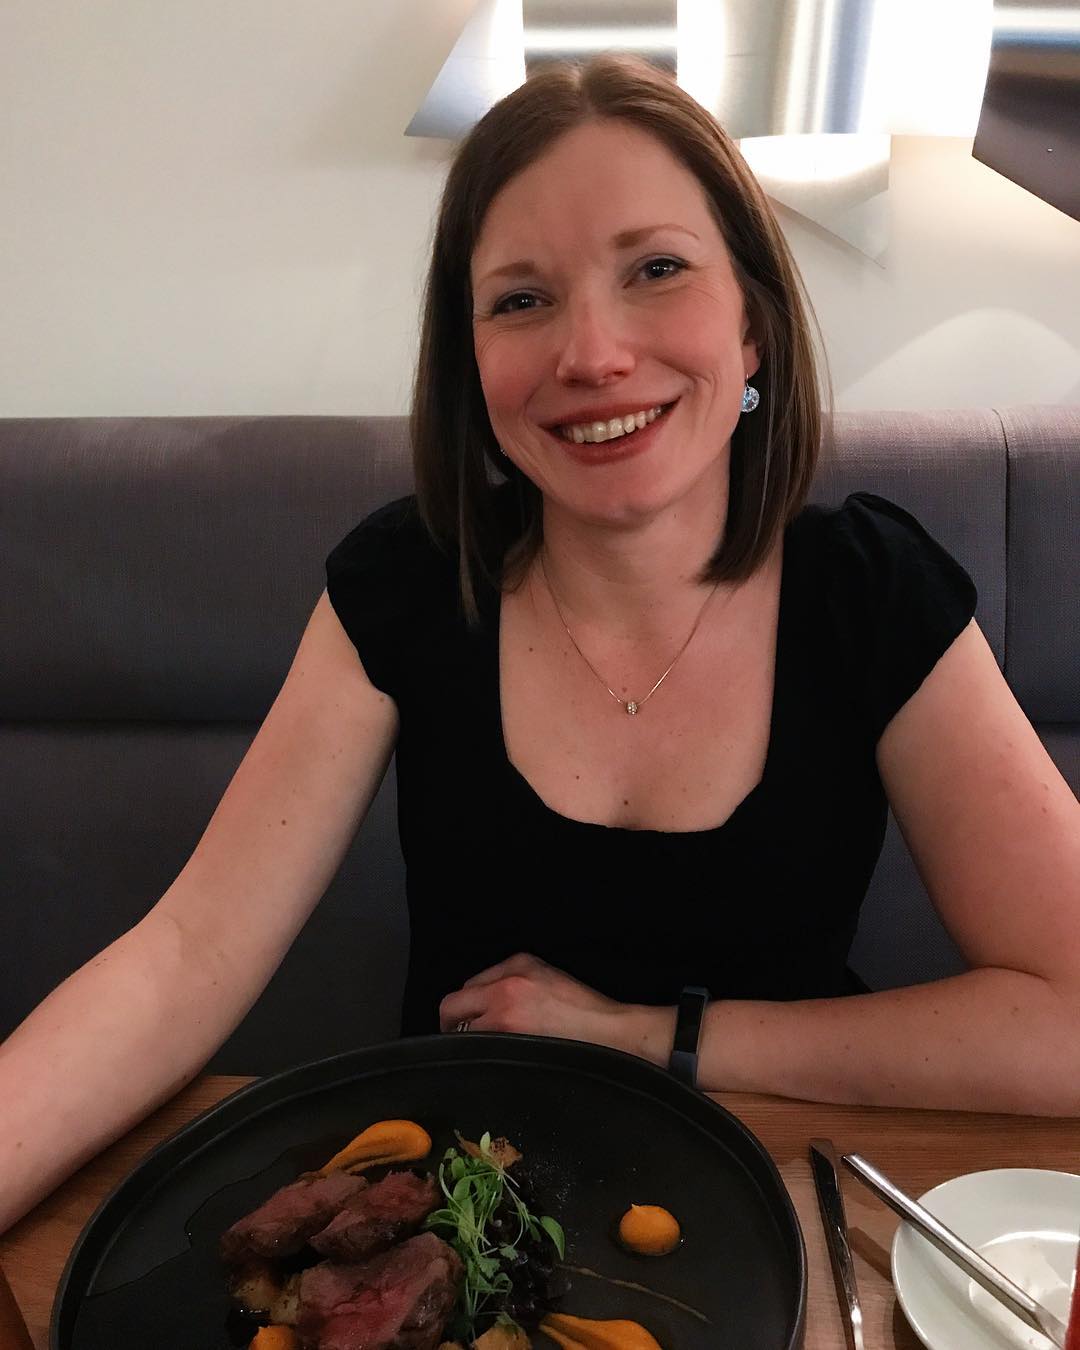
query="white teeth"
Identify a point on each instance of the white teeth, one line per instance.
(592, 433)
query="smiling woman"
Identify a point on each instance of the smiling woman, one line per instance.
(606, 325)
(592, 206)
(650, 709)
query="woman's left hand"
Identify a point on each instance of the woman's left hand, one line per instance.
(524, 994)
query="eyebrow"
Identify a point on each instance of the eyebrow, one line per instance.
(623, 240)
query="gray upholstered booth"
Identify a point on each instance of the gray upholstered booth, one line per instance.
(155, 576)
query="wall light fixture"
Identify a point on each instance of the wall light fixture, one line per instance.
(812, 89)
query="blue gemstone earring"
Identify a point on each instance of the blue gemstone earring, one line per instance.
(750, 397)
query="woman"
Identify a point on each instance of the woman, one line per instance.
(646, 706)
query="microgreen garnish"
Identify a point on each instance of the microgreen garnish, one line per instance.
(475, 1188)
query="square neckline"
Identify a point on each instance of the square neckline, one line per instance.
(529, 793)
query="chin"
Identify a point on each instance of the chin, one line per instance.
(635, 497)
(618, 506)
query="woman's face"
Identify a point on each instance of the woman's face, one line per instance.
(602, 290)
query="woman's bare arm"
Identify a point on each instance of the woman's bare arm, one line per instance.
(137, 1022)
(995, 833)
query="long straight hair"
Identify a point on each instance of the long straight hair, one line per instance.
(458, 465)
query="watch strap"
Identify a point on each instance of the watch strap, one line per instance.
(684, 1052)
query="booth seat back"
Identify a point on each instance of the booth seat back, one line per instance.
(156, 575)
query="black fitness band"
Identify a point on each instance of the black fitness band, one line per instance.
(683, 1062)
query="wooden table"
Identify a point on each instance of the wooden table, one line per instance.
(918, 1149)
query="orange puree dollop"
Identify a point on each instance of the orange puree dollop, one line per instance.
(581, 1333)
(275, 1338)
(650, 1230)
(387, 1141)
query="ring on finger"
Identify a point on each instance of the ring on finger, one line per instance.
(463, 1026)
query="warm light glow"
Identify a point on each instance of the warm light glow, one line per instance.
(587, 38)
(1037, 21)
(933, 58)
(814, 159)
(505, 47)
(926, 62)
(701, 50)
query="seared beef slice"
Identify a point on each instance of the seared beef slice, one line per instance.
(400, 1300)
(282, 1225)
(386, 1212)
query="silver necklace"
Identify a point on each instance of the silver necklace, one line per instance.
(632, 705)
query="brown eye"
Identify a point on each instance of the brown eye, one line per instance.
(658, 269)
(515, 303)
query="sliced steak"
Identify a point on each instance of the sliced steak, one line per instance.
(284, 1223)
(374, 1220)
(400, 1300)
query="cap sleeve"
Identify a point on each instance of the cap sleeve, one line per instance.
(910, 600)
(382, 579)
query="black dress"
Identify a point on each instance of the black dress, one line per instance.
(766, 905)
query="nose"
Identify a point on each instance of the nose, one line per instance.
(594, 349)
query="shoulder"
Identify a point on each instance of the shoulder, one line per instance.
(393, 531)
(387, 582)
(893, 598)
(392, 556)
(879, 550)
(865, 527)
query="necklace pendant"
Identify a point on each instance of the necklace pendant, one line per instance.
(631, 708)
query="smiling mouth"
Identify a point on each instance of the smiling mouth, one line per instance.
(610, 429)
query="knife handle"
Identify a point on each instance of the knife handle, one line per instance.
(834, 1221)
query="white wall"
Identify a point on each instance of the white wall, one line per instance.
(211, 208)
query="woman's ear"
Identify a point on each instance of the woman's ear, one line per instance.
(751, 355)
(751, 342)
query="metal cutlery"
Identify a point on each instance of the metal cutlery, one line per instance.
(834, 1221)
(1030, 1312)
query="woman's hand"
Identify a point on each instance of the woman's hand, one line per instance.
(524, 994)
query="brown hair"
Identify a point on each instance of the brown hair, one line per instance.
(457, 461)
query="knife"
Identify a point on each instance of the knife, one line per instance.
(991, 1279)
(834, 1221)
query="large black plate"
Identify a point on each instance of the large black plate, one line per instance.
(599, 1130)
